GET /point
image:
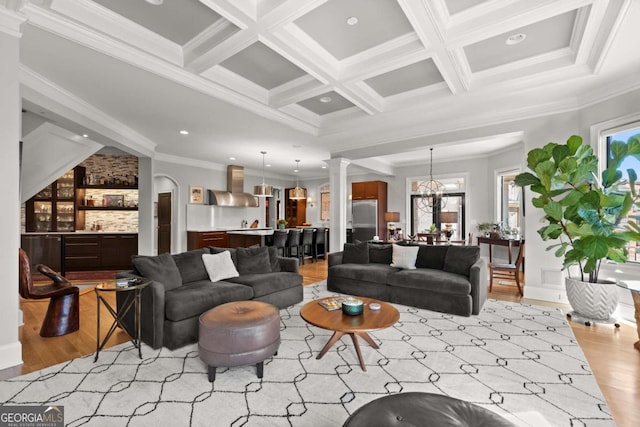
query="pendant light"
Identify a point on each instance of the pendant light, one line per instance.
(263, 190)
(431, 192)
(297, 193)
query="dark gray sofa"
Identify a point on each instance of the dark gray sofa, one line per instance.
(449, 279)
(181, 290)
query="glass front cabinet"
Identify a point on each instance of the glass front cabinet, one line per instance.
(53, 208)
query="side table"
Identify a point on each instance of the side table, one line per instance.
(634, 287)
(132, 300)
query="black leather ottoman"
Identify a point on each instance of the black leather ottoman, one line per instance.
(238, 333)
(423, 409)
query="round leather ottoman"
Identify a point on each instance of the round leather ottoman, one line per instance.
(238, 333)
(423, 409)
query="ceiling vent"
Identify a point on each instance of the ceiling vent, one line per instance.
(235, 195)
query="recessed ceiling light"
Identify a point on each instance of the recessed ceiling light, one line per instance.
(184, 132)
(232, 158)
(155, 2)
(325, 99)
(84, 135)
(296, 170)
(324, 167)
(268, 165)
(352, 20)
(515, 39)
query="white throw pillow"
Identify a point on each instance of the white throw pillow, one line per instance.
(405, 257)
(219, 266)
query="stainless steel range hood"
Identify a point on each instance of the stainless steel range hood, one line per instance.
(235, 195)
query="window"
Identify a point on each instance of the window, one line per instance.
(509, 201)
(453, 201)
(633, 249)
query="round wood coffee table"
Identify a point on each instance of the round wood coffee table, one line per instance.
(355, 326)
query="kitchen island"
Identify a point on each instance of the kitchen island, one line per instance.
(229, 238)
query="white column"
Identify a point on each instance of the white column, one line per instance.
(339, 194)
(146, 198)
(10, 134)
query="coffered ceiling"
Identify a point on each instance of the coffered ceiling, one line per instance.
(310, 79)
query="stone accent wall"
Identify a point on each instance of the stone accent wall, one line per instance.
(113, 221)
(101, 167)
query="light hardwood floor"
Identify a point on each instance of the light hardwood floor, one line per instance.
(612, 358)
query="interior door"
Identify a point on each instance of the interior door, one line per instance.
(164, 222)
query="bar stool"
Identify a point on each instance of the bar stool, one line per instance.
(307, 243)
(280, 241)
(320, 244)
(293, 243)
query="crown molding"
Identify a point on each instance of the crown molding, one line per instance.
(11, 22)
(115, 130)
(94, 15)
(71, 31)
(611, 23)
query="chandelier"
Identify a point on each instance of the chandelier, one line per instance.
(297, 193)
(263, 190)
(431, 192)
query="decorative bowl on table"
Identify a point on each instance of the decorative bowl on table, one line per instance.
(352, 307)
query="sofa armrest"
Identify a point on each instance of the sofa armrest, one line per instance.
(151, 310)
(290, 265)
(478, 279)
(335, 258)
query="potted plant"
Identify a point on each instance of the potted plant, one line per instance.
(583, 213)
(282, 224)
(484, 228)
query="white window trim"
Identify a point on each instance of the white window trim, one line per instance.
(496, 173)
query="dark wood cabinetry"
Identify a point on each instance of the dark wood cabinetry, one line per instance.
(202, 239)
(99, 252)
(244, 240)
(53, 208)
(295, 210)
(43, 249)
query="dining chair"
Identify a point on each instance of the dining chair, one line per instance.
(508, 271)
(63, 314)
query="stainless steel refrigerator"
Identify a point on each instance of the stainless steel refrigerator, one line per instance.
(365, 219)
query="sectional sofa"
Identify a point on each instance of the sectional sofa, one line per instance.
(181, 288)
(449, 279)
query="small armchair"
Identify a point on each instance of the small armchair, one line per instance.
(63, 314)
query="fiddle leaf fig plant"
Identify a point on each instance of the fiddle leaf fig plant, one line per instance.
(583, 211)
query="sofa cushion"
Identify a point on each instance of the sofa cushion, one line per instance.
(459, 259)
(431, 256)
(377, 273)
(380, 254)
(268, 283)
(219, 266)
(356, 253)
(195, 298)
(253, 260)
(190, 265)
(232, 251)
(161, 268)
(404, 256)
(274, 260)
(431, 280)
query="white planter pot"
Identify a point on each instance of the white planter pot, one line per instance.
(592, 302)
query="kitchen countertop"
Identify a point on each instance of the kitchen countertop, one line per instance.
(253, 232)
(229, 229)
(44, 233)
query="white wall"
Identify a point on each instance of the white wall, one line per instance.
(10, 132)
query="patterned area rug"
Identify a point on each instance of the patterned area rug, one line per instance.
(518, 360)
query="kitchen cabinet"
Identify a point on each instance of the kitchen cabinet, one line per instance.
(245, 240)
(369, 190)
(203, 239)
(295, 210)
(53, 208)
(116, 251)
